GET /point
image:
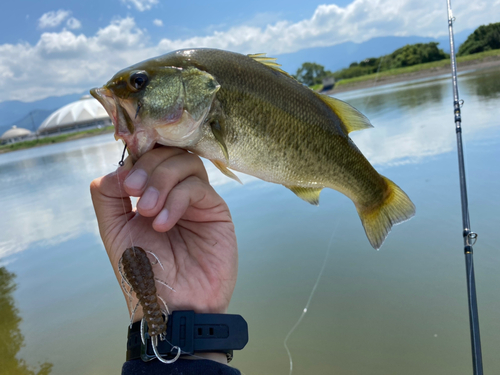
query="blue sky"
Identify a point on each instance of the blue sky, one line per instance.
(54, 47)
(180, 18)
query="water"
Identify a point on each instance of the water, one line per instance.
(401, 310)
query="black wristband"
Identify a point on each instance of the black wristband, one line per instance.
(191, 332)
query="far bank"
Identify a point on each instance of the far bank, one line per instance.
(478, 61)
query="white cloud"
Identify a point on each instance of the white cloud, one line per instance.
(53, 19)
(158, 22)
(75, 62)
(140, 5)
(359, 21)
(73, 23)
(69, 62)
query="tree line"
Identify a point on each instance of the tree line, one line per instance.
(484, 38)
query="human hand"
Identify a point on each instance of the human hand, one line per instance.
(180, 218)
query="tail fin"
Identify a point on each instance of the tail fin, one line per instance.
(378, 221)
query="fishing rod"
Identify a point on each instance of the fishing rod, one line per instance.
(469, 236)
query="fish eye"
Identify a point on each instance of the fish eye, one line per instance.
(138, 80)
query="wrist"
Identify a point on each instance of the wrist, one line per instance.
(209, 336)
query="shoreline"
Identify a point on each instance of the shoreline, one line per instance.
(50, 140)
(484, 63)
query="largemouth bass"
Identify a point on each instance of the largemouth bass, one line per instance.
(244, 113)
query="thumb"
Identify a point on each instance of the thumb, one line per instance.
(111, 203)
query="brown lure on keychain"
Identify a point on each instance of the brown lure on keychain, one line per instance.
(139, 274)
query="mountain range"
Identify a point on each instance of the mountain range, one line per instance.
(30, 115)
(342, 55)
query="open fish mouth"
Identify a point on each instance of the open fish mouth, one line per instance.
(137, 139)
(105, 97)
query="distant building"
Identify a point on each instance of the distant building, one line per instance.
(84, 113)
(15, 134)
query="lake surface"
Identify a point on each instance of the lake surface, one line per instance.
(400, 310)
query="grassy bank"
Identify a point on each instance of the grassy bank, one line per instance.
(478, 57)
(54, 139)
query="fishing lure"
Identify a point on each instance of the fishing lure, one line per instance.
(137, 271)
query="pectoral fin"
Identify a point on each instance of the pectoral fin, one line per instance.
(221, 167)
(219, 137)
(310, 195)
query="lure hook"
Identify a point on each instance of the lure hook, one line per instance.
(121, 163)
(154, 342)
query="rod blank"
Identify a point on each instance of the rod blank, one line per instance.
(477, 361)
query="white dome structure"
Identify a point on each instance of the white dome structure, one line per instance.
(14, 134)
(84, 113)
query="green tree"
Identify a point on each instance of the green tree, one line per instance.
(413, 54)
(311, 73)
(367, 66)
(484, 38)
(11, 337)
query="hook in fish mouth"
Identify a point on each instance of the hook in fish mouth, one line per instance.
(138, 139)
(113, 107)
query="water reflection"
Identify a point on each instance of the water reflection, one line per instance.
(487, 85)
(415, 121)
(36, 193)
(48, 198)
(12, 338)
(403, 97)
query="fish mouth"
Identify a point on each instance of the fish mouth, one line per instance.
(137, 139)
(105, 97)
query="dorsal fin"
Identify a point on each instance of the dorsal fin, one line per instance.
(269, 61)
(351, 118)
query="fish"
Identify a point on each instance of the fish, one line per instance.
(244, 113)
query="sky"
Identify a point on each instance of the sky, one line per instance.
(55, 47)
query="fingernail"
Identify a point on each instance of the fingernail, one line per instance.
(149, 199)
(137, 179)
(162, 217)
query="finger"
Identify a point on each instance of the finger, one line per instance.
(135, 182)
(165, 177)
(108, 196)
(192, 192)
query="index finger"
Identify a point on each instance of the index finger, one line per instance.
(153, 160)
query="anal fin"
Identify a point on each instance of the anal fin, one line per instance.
(222, 167)
(310, 195)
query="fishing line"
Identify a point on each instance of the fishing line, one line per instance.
(129, 300)
(370, 97)
(306, 308)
